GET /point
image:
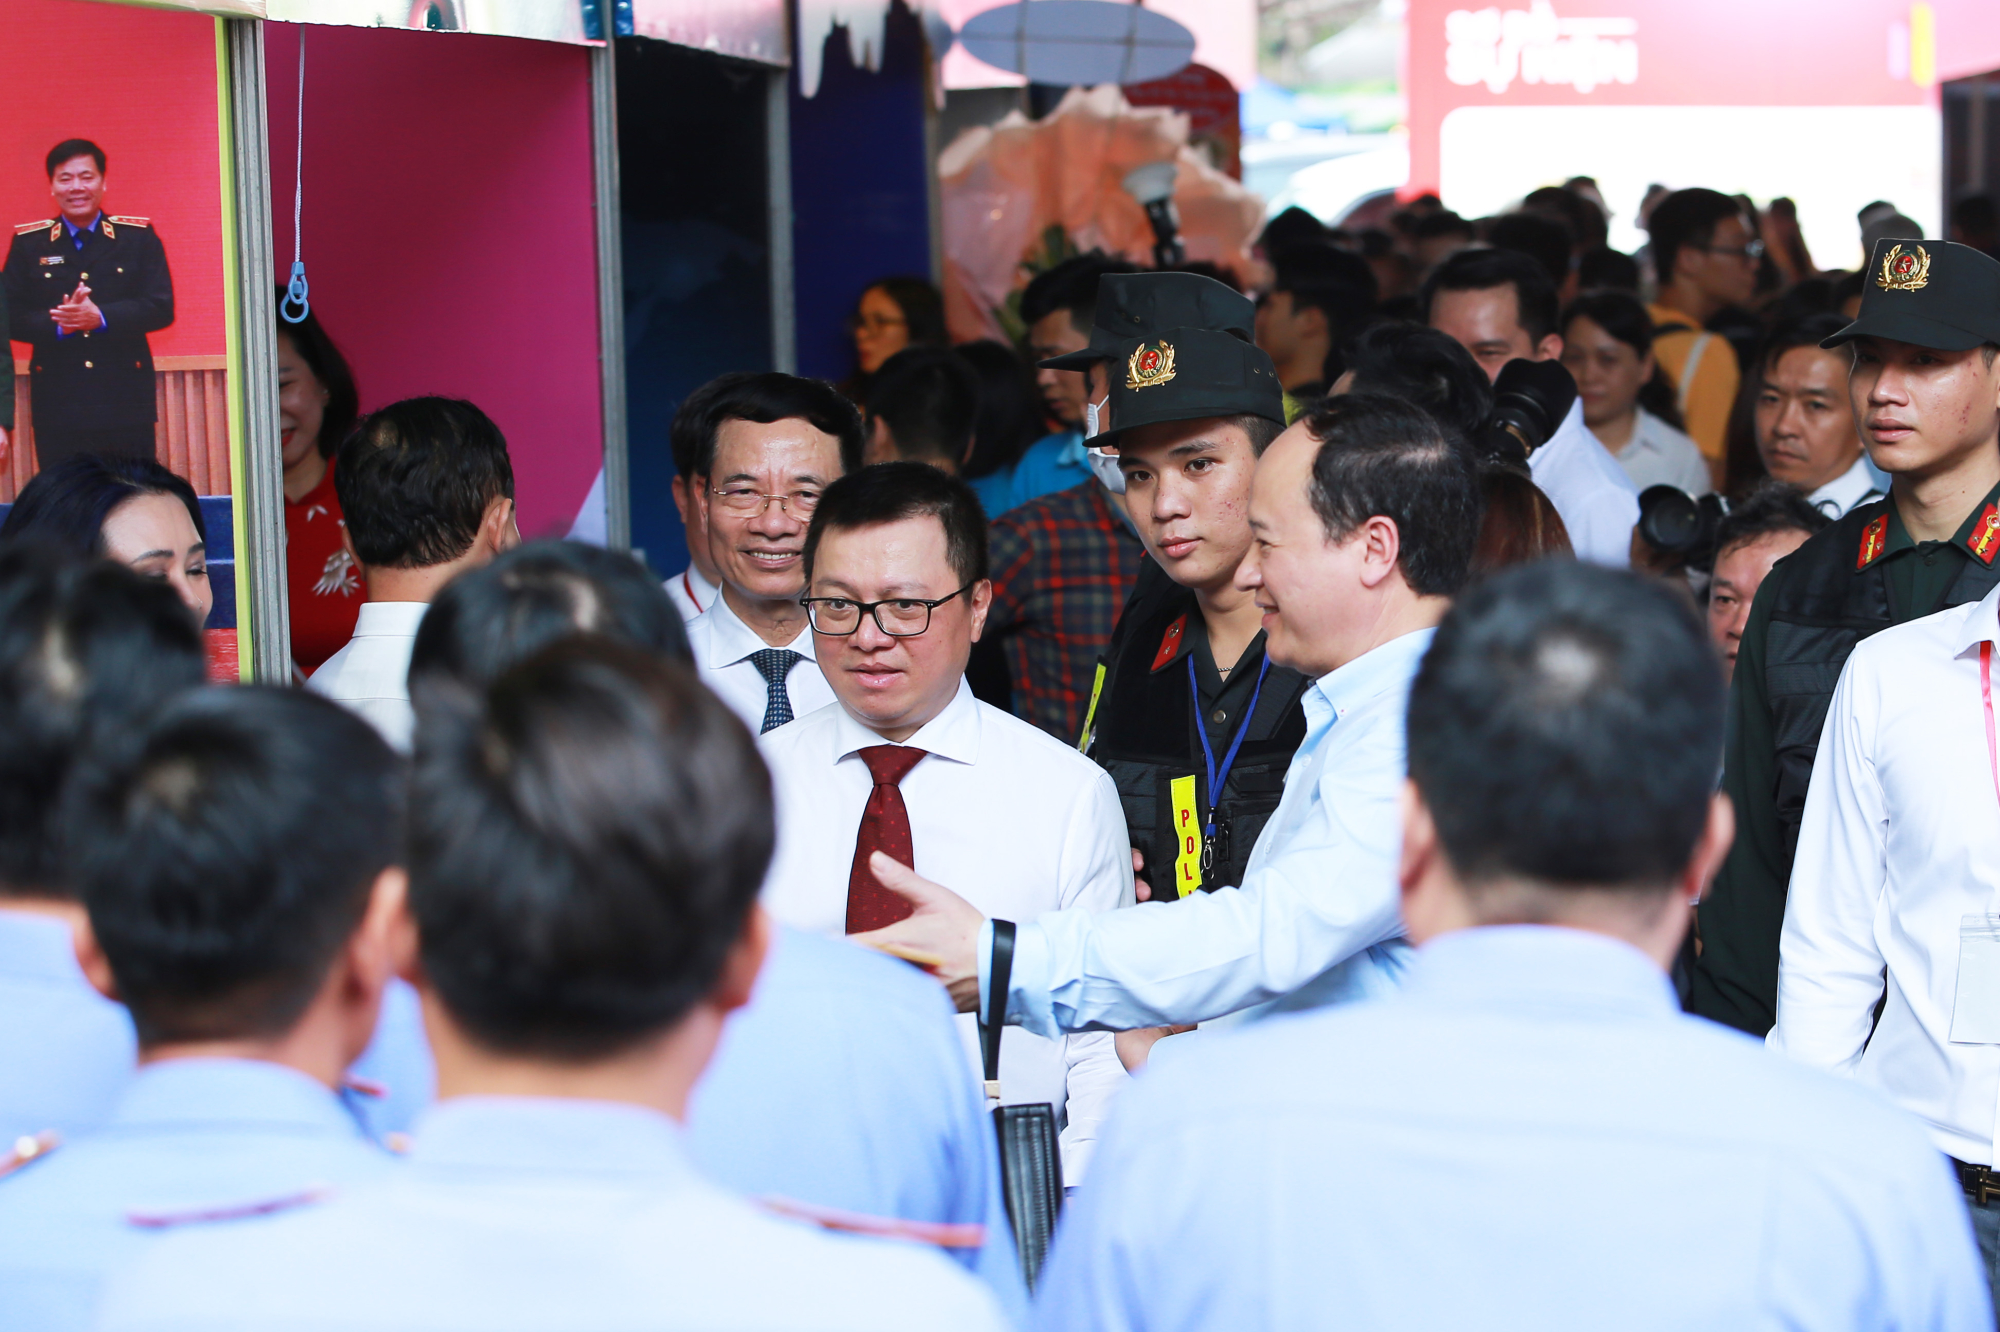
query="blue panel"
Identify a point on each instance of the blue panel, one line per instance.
(860, 201)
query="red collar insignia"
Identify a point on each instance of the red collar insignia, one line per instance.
(1985, 538)
(1873, 538)
(1170, 642)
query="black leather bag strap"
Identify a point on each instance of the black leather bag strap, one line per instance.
(999, 976)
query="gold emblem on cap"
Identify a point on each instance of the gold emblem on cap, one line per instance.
(1150, 365)
(1902, 271)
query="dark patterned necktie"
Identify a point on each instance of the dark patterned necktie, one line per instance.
(774, 664)
(885, 827)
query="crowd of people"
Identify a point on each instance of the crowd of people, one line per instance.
(1365, 740)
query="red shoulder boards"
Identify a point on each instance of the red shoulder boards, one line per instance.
(29, 1147)
(1985, 539)
(944, 1234)
(239, 1212)
(23, 228)
(133, 221)
(1170, 642)
(1873, 538)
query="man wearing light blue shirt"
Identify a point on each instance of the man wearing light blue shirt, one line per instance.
(280, 813)
(1529, 1134)
(1364, 517)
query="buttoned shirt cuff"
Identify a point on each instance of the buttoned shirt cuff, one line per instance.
(1028, 1002)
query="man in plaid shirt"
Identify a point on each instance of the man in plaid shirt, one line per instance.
(1062, 566)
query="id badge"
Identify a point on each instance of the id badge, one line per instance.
(1975, 1009)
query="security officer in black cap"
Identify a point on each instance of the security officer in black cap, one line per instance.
(1194, 724)
(83, 290)
(1926, 395)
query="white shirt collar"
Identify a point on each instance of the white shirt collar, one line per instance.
(390, 619)
(1847, 490)
(1981, 626)
(1389, 666)
(952, 734)
(730, 640)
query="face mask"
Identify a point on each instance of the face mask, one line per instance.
(1104, 466)
(1090, 411)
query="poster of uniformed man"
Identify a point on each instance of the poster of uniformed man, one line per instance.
(84, 288)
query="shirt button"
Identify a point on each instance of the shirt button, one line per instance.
(1219, 715)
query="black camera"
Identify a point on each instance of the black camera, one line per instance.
(1530, 400)
(1679, 526)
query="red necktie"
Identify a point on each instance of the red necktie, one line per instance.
(885, 827)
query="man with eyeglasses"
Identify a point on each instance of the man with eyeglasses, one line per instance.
(1705, 255)
(766, 446)
(909, 763)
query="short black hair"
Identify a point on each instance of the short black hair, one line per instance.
(1618, 313)
(1432, 370)
(1806, 331)
(69, 148)
(65, 506)
(487, 619)
(1379, 456)
(88, 650)
(763, 397)
(1577, 211)
(227, 856)
(1441, 222)
(1605, 269)
(414, 480)
(1010, 407)
(587, 837)
(891, 492)
(1070, 285)
(1684, 219)
(343, 400)
(1481, 270)
(1292, 226)
(1566, 727)
(1547, 240)
(1771, 507)
(929, 399)
(1338, 283)
(922, 307)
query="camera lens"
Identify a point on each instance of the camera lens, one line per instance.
(1669, 519)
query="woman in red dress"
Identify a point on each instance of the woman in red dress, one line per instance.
(317, 406)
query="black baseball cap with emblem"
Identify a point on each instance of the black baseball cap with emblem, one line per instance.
(1180, 347)
(1927, 293)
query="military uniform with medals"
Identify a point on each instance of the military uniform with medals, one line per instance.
(1199, 757)
(1863, 574)
(90, 392)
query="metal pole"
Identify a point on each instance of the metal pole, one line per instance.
(778, 159)
(610, 293)
(260, 571)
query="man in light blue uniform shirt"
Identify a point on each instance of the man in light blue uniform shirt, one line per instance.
(1530, 1134)
(85, 650)
(1364, 518)
(588, 836)
(841, 1083)
(281, 813)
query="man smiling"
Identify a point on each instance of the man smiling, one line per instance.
(908, 763)
(1926, 392)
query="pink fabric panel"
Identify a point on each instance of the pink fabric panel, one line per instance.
(449, 233)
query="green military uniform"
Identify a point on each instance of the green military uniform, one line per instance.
(90, 392)
(1199, 758)
(1855, 578)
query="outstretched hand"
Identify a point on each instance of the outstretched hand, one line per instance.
(941, 936)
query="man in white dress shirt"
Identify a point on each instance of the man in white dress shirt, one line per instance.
(1364, 518)
(909, 763)
(1895, 892)
(1502, 307)
(693, 589)
(427, 491)
(1805, 417)
(766, 445)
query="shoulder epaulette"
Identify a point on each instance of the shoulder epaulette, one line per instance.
(944, 1234)
(29, 1147)
(237, 1212)
(133, 221)
(23, 228)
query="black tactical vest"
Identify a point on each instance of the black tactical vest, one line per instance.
(1142, 732)
(1834, 593)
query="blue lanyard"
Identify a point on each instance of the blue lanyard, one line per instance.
(1217, 777)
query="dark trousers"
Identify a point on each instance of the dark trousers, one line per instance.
(54, 446)
(1986, 1226)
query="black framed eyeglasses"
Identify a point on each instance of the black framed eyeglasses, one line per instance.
(898, 617)
(1752, 250)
